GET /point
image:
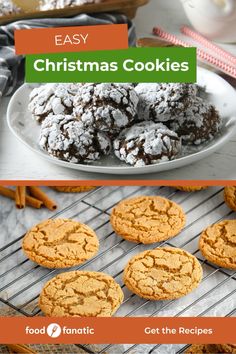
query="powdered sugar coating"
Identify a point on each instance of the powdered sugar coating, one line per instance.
(147, 143)
(7, 7)
(45, 5)
(67, 139)
(52, 99)
(198, 124)
(163, 102)
(107, 107)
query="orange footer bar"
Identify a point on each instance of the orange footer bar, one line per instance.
(117, 330)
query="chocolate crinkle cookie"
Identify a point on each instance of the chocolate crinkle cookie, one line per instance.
(67, 139)
(52, 99)
(147, 143)
(45, 5)
(198, 124)
(163, 102)
(108, 107)
(7, 7)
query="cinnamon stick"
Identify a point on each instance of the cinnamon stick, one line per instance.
(39, 194)
(20, 348)
(30, 201)
(20, 197)
(33, 202)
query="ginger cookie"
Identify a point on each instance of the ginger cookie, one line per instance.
(163, 273)
(73, 189)
(227, 348)
(147, 219)
(202, 348)
(60, 243)
(81, 294)
(218, 244)
(191, 188)
(230, 197)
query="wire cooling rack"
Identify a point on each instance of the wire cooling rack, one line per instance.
(21, 280)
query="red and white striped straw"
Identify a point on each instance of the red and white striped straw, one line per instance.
(208, 44)
(202, 55)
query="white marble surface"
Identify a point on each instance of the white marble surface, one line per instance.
(202, 209)
(17, 162)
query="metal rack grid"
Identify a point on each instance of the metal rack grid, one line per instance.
(21, 280)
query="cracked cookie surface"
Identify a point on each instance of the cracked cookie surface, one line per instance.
(81, 294)
(65, 138)
(227, 348)
(147, 143)
(163, 273)
(52, 99)
(106, 107)
(46, 5)
(199, 123)
(165, 101)
(218, 244)
(191, 188)
(73, 189)
(230, 197)
(60, 243)
(147, 219)
(7, 8)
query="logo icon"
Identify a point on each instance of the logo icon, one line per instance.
(54, 330)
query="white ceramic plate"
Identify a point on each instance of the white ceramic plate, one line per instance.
(220, 93)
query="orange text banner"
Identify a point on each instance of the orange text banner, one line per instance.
(21, 330)
(71, 39)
